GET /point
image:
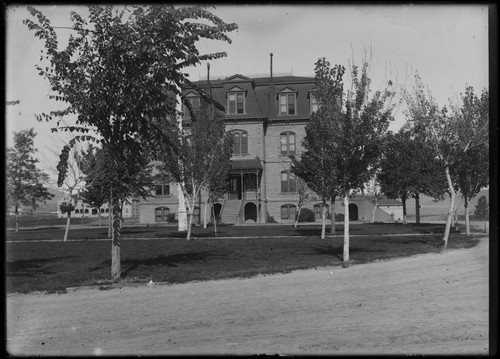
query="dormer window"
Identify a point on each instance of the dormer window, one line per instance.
(236, 101)
(288, 102)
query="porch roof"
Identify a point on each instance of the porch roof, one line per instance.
(246, 164)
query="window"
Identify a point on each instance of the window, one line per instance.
(161, 214)
(162, 190)
(86, 210)
(94, 211)
(102, 210)
(314, 104)
(77, 211)
(240, 143)
(288, 182)
(318, 210)
(287, 143)
(287, 104)
(288, 211)
(236, 103)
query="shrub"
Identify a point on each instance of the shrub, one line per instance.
(270, 219)
(482, 209)
(306, 215)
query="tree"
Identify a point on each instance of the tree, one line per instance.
(316, 165)
(359, 138)
(469, 176)
(305, 195)
(482, 208)
(204, 152)
(450, 134)
(114, 75)
(25, 182)
(67, 207)
(408, 168)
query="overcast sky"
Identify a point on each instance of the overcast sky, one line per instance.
(446, 44)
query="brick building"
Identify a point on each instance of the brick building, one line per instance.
(267, 116)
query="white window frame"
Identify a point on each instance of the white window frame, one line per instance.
(286, 95)
(235, 94)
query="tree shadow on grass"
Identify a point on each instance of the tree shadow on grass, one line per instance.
(338, 252)
(32, 267)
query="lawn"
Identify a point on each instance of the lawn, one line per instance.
(55, 265)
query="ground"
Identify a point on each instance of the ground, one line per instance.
(425, 304)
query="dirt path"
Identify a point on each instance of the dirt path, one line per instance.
(426, 304)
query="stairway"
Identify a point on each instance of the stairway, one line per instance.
(231, 211)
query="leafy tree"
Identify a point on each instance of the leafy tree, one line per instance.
(316, 165)
(114, 75)
(305, 195)
(203, 157)
(469, 176)
(451, 135)
(482, 208)
(67, 207)
(25, 181)
(359, 138)
(408, 168)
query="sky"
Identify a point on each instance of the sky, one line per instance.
(446, 44)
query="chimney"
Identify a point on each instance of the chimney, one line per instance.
(271, 89)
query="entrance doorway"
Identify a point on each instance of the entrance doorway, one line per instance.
(353, 212)
(235, 187)
(251, 211)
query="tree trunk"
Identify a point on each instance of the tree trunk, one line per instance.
(332, 215)
(405, 217)
(296, 222)
(417, 208)
(205, 215)
(115, 243)
(110, 221)
(190, 224)
(323, 220)
(181, 212)
(450, 210)
(467, 220)
(346, 230)
(17, 217)
(66, 231)
(215, 221)
(374, 210)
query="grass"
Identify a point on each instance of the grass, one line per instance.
(168, 257)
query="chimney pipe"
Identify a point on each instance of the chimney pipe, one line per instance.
(271, 66)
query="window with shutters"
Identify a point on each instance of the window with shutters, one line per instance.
(288, 211)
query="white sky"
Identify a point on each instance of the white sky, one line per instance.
(446, 44)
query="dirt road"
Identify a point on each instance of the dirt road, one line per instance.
(426, 304)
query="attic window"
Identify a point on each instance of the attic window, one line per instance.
(236, 102)
(287, 102)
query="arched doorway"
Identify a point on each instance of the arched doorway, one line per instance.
(251, 211)
(353, 212)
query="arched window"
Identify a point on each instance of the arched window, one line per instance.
(288, 182)
(77, 211)
(288, 211)
(318, 210)
(161, 214)
(240, 142)
(287, 142)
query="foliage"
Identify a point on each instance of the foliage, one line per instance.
(270, 219)
(114, 75)
(450, 134)
(306, 215)
(482, 208)
(200, 157)
(25, 182)
(67, 207)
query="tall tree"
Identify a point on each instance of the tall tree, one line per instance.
(204, 151)
(450, 134)
(25, 181)
(470, 175)
(114, 75)
(316, 165)
(408, 168)
(359, 138)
